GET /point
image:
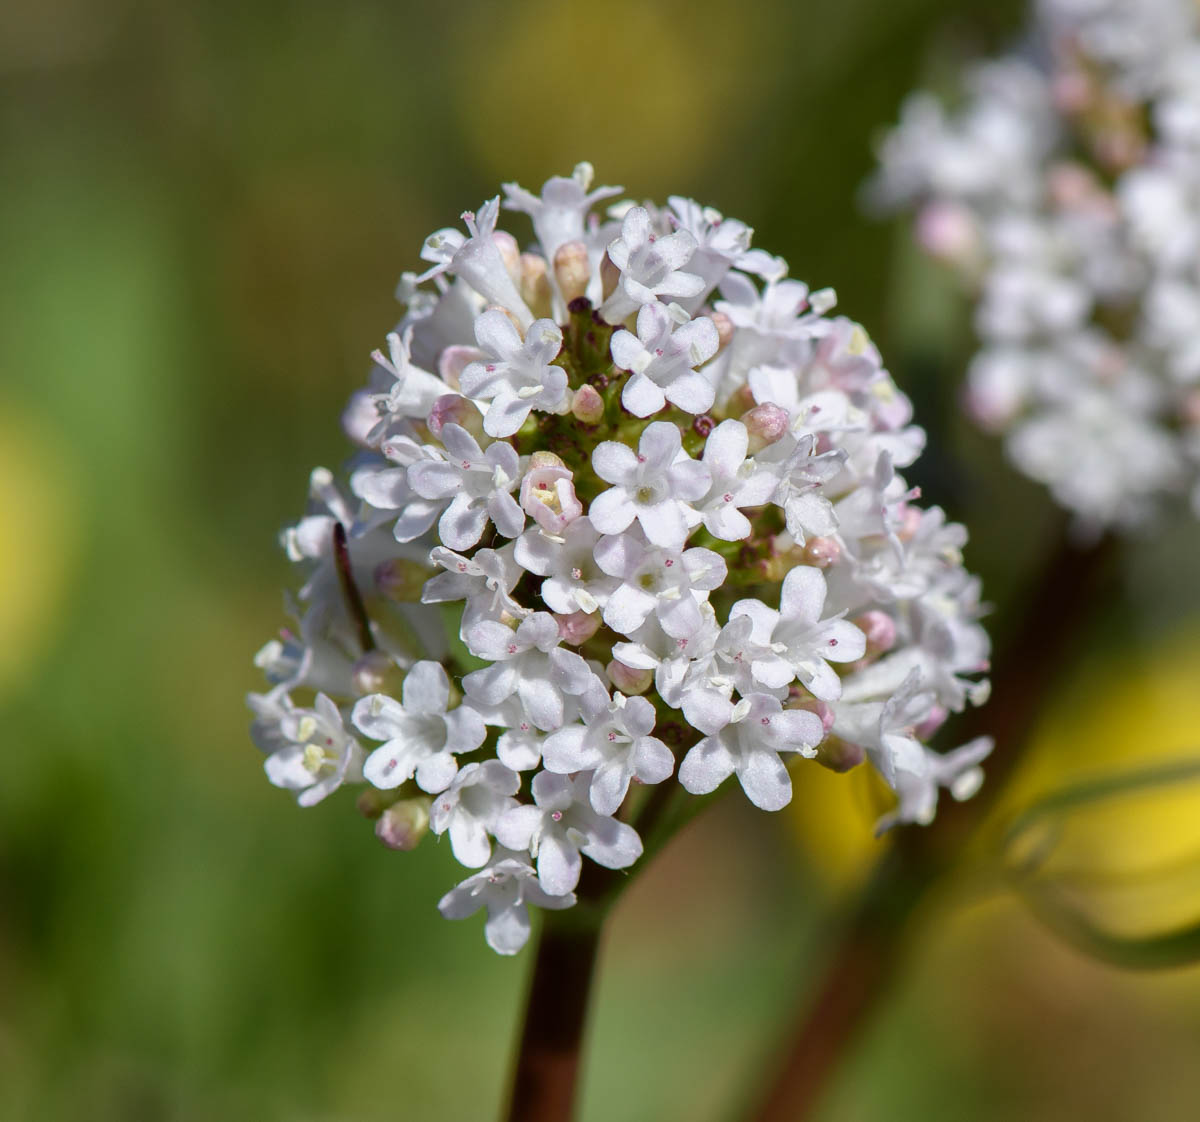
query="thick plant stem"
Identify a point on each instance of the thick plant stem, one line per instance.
(872, 941)
(547, 1068)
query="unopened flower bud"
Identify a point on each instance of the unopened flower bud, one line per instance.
(452, 408)
(587, 406)
(822, 552)
(947, 232)
(453, 360)
(372, 802)
(610, 276)
(839, 755)
(572, 270)
(934, 719)
(401, 579)
(879, 628)
(628, 680)
(404, 824)
(765, 424)
(535, 285)
(510, 253)
(548, 493)
(578, 627)
(724, 326)
(821, 708)
(376, 672)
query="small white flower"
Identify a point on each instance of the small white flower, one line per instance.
(745, 739)
(614, 744)
(662, 358)
(518, 375)
(650, 265)
(574, 582)
(656, 485)
(505, 888)
(421, 736)
(479, 485)
(313, 754)
(737, 482)
(470, 806)
(561, 826)
(559, 214)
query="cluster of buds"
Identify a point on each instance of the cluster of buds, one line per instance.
(1065, 191)
(625, 523)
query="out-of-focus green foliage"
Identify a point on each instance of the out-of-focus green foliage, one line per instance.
(203, 212)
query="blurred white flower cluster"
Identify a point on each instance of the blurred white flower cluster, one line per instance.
(1065, 189)
(651, 493)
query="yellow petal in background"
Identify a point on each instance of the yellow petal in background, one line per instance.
(38, 542)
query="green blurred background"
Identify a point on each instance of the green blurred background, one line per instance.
(204, 209)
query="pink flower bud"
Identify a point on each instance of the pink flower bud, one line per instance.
(628, 680)
(572, 270)
(452, 408)
(578, 627)
(535, 284)
(548, 493)
(724, 326)
(822, 552)
(947, 232)
(839, 755)
(821, 708)
(587, 405)
(454, 359)
(404, 824)
(879, 628)
(1189, 409)
(934, 721)
(510, 252)
(765, 424)
(376, 672)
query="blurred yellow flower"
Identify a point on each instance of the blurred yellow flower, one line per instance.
(38, 542)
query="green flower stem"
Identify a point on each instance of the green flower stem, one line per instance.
(874, 936)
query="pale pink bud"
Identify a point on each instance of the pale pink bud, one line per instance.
(548, 493)
(879, 628)
(628, 680)
(934, 721)
(371, 802)
(510, 252)
(535, 284)
(1190, 408)
(360, 416)
(947, 231)
(839, 755)
(910, 522)
(724, 326)
(572, 270)
(765, 424)
(404, 824)
(578, 627)
(454, 359)
(587, 405)
(1071, 92)
(822, 552)
(452, 408)
(376, 672)
(821, 708)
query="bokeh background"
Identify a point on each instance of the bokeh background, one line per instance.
(204, 209)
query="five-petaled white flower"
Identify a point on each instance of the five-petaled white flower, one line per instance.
(662, 358)
(470, 806)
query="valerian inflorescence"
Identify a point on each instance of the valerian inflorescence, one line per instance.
(654, 491)
(1065, 191)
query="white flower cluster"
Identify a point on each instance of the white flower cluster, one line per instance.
(1066, 192)
(652, 490)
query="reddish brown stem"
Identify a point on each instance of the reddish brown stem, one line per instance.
(871, 944)
(548, 1062)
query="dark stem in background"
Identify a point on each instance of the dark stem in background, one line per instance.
(354, 600)
(1025, 672)
(548, 1059)
(547, 1068)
